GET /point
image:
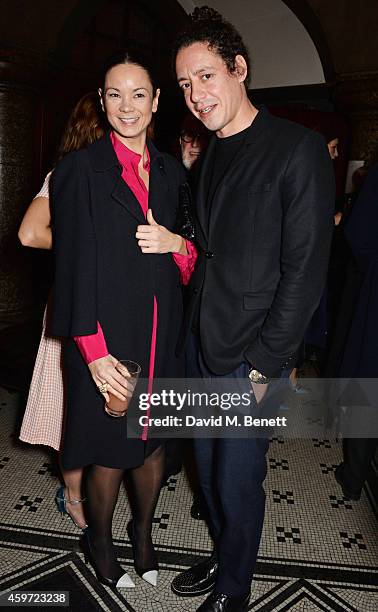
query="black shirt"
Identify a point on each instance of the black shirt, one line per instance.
(224, 152)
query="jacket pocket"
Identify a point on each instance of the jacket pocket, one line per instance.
(257, 300)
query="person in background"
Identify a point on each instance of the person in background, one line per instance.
(84, 126)
(333, 147)
(194, 138)
(328, 130)
(193, 141)
(358, 178)
(320, 329)
(360, 355)
(345, 275)
(43, 418)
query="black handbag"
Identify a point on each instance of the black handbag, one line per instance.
(185, 221)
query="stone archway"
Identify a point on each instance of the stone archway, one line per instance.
(310, 21)
(287, 46)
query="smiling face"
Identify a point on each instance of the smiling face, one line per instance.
(129, 102)
(212, 93)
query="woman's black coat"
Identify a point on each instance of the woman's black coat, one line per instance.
(102, 275)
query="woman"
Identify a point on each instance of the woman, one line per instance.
(117, 295)
(42, 423)
(84, 126)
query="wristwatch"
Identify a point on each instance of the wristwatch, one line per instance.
(257, 377)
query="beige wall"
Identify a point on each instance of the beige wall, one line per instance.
(282, 51)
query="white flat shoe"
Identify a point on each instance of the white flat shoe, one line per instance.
(125, 582)
(151, 577)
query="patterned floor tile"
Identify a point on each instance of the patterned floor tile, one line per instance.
(319, 550)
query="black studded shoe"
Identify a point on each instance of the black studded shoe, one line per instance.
(218, 602)
(197, 580)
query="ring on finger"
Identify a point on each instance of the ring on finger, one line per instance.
(103, 388)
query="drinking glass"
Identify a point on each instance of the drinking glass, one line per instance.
(130, 370)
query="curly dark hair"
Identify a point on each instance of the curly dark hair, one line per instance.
(208, 26)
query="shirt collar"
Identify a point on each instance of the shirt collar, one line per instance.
(126, 156)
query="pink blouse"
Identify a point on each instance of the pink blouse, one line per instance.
(93, 346)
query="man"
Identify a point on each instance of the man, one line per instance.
(264, 208)
(194, 138)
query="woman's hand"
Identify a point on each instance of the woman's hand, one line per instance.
(103, 370)
(154, 238)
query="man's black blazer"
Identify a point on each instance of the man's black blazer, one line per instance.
(263, 251)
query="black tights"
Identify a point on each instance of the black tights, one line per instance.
(146, 483)
(102, 494)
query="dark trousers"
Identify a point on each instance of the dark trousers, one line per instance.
(231, 474)
(358, 455)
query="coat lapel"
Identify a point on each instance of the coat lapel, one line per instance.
(158, 184)
(251, 141)
(201, 191)
(104, 159)
(124, 196)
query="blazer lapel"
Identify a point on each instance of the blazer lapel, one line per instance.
(201, 190)
(260, 123)
(158, 184)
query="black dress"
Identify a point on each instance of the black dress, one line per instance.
(102, 275)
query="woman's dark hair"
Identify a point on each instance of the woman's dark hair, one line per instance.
(85, 125)
(208, 26)
(125, 56)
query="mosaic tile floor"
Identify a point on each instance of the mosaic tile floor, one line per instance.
(319, 550)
